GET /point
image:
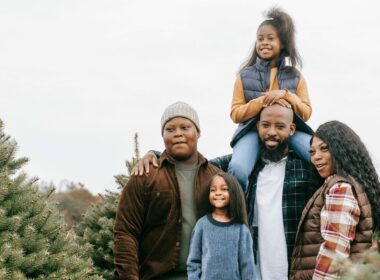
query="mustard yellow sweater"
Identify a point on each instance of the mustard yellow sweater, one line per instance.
(242, 111)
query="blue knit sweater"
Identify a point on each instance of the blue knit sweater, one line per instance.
(220, 251)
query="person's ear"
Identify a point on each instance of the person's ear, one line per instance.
(292, 129)
(198, 133)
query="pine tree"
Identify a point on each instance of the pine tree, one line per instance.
(33, 244)
(364, 267)
(96, 227)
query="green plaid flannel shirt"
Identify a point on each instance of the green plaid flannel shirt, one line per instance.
(298, 188)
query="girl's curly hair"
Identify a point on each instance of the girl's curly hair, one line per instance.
(286, 30)
(351, 158)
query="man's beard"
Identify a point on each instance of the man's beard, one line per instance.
(276, 154)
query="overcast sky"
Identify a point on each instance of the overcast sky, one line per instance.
(79, 78)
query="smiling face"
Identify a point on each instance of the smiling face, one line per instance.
(181, 139)
(268, 44)
(321, 157)
(219, 195)
(275, 126)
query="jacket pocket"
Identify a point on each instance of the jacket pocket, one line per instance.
(159, 207)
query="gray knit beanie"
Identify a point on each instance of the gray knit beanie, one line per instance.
(179, 109)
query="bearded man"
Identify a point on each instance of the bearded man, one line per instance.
(279, 187)
(278, 190)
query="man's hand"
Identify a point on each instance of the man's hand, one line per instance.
(143, 164)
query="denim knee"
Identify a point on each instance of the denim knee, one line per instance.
(300, 143)
(241, 171)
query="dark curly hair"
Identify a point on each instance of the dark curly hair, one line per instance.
(351, 158)
(286, 30)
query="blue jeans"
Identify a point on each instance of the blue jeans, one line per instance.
(246, 151)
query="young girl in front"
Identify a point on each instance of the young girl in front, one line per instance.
(270, 76)
(221, 244)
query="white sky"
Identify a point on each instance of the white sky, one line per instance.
(79, 78)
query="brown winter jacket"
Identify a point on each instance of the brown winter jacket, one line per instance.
(148, 222)
(309, 238)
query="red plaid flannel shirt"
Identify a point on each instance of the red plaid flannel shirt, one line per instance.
(339, 218)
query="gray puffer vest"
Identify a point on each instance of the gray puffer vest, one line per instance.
(255, 81)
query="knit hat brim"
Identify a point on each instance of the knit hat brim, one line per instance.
(179, 109)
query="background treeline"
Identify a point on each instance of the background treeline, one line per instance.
(73, 201)
(45, 234)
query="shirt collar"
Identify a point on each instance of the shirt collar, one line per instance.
(165, 158)
(266, 161)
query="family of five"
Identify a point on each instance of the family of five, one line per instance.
(293, 201)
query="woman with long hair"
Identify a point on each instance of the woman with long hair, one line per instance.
(339, 220)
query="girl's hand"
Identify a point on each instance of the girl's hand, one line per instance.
(283, 103)
(272, 96)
